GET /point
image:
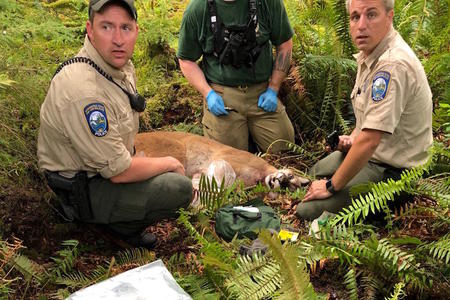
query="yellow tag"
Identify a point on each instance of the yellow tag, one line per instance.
(285, 235)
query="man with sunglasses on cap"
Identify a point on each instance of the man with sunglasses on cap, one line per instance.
(89, 120)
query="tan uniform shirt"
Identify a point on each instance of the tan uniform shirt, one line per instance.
(391, 94)
(86, 121)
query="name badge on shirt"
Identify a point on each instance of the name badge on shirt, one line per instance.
(96, 117)
(380, 85)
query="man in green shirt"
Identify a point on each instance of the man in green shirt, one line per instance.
(237, 76)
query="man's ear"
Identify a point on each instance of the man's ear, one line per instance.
(391, 16)
(89, 29)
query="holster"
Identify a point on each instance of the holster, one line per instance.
(74, 192)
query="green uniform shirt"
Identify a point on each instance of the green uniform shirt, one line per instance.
(196, 38)
(86, 121)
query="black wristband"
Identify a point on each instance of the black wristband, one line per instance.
(330, 187)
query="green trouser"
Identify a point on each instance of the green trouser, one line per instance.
(326, 167)
(128, 208)
(247, 118)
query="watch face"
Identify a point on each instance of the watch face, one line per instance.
(329, 186)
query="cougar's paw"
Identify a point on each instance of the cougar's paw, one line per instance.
(285, 178)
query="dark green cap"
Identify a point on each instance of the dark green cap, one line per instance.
(96, 5)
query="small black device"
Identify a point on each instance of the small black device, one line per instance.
(333, 140)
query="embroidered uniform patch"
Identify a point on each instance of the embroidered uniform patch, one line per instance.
(380, 85)
(96, 117)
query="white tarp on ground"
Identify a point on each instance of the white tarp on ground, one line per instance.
(151, 281)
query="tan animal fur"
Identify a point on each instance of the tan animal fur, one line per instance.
(196, 152)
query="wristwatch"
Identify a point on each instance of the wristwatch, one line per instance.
(330, 187)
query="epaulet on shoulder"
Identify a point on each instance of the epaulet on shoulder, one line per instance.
(76, 72)
(398, 55)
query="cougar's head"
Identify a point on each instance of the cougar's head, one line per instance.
(285, 178)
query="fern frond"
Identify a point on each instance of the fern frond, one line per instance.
(440, 249)
(77, 279)
(210, 193)
(183, 219)
(295, 284)
(370, 285)
(255, 277)
(350, 284)
(135, 256)
(340, 22)
(437, 187)
(328, 97)
(198, 287)
(375, 200)
(397, 257)
(398, 292)
(64, 265)
(217, 256)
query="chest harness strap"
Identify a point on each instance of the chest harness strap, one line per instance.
(137, 102)
(235, 45)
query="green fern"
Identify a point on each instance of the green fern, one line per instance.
(256, 277)
(398, 292)
(350, 283)
(199, 287)
(441, 248)
(375, 200)
(394, 255)
(295, 280)
(184, 220)
(64, 265)
(340, 22)
(139, 256)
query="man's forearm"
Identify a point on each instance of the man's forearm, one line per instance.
(357, 157)
(282, 64)
(142, 168)
(195, 76)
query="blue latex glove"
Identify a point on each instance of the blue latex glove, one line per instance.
(268, 100)
(215, 103)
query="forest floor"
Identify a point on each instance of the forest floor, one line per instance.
(37, 223)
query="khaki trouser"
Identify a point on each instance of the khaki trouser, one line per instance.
(326, 167)
(234, 129)
(128, 208)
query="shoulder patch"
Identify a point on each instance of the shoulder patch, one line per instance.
(96, 117)
(380, 85)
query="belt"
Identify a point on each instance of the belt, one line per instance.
(241, 87)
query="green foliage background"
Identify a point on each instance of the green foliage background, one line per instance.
(37, 35)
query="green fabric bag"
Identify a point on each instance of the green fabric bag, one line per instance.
(245, 220)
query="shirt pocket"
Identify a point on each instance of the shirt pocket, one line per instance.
(126, 123)
(357, 100)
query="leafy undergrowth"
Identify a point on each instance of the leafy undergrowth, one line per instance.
(405, 255)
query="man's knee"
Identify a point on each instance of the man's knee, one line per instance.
(308, 210)
(185, 190)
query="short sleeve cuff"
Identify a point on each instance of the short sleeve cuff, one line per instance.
(377, 125)
(116, 165)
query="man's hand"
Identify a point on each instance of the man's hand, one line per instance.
(215, 104)
(317, 190)
(174, 165)
(345, 142)
(268, 100)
